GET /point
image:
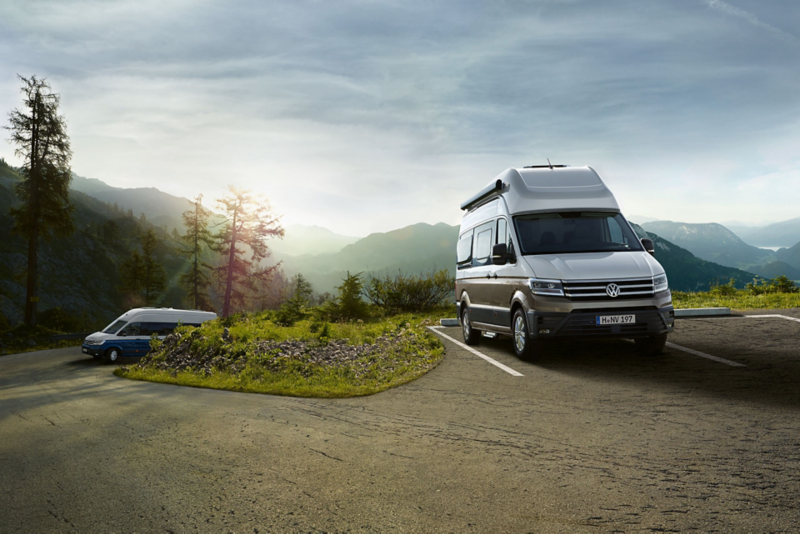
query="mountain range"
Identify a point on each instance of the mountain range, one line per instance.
(81, 273)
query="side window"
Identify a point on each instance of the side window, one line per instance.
(482, 244)
(132, 329)
(502, 231)
(464, 250)
(504, 235)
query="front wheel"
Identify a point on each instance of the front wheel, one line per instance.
(112, 355)
(651, 345)
(525, 346)
(471, 336)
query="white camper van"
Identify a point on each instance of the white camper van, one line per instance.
(129, 334)
(544, 253)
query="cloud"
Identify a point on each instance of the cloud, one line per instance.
(394, 112)
(734, 11)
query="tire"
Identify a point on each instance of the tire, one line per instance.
(651, 345)
(525, 346)
(112, 355)
(471, 336)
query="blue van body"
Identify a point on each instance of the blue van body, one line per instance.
(129, 335)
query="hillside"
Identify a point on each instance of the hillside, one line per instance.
(414, 249)
(780, 234)
(777, 268)
(159, 208)
(790, 255)
(423, 247)
(711, 242)
(301, 239)
(686, 272)
(79, 273)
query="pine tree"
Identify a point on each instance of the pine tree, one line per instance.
(40, 134)
(196, 281)
(250, 223)
(154, 276)
(131, 275)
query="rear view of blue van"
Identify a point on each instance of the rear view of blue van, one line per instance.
(130, 334)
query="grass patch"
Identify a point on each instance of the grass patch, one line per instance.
(252, 353)
(740, 300)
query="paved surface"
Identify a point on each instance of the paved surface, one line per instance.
(592, 438)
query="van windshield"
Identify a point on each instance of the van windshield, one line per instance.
(553, 233)
(114, 327)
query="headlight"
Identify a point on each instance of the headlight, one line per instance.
(87, 342)
(660, 283)
(551, 288)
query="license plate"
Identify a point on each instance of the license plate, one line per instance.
(615, 319)
(85, 350)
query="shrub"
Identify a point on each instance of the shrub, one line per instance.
(59, 320)
(723, 290)
(779, 284)
(348, 304)
(295, 308)
(411, 293)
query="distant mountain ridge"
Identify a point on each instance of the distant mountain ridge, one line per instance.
(780, 234)
(711, 242)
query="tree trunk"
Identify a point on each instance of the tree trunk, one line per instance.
(226, 307)
(196, 252)
(32, 289)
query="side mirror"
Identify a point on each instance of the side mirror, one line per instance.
(649, 247)
(500, 254)
(123, 334)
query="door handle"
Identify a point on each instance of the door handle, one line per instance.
(488, 275)
(495, 276)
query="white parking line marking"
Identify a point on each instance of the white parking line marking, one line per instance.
(774, 316)
(704, 355)
(507, 369)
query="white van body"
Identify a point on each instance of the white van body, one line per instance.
(544, 253)
(129, 334)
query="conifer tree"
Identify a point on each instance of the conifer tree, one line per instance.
(154, 276)
(131, 274)
(40, 134)
(196, 281)
(250, 223)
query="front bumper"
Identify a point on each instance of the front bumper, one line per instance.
(583, 324)
(94, 350)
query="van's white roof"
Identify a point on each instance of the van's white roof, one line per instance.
(556, 189)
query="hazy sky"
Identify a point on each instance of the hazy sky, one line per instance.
(365, 116)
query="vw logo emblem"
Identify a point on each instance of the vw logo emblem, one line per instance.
(612, 290)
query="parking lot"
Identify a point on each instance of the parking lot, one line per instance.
(592, 437)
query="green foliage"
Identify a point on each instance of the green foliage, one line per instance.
(40, 135)
(59, 320)
(242, 356)
(411, 293)
(348, 304)
(295, 308)
(154, 276)
(195, 281)
(131, 273)
(724, 290)
(4, 324)
(779, 284)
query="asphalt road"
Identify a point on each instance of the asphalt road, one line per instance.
(591, 438)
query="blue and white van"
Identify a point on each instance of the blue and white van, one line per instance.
(129, 335)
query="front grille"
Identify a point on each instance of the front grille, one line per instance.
(639, 288)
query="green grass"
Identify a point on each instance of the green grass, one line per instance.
(205, 357)
(740, 299)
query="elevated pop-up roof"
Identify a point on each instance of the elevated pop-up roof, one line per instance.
(547, 189)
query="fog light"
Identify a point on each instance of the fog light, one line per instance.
(544, 331)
